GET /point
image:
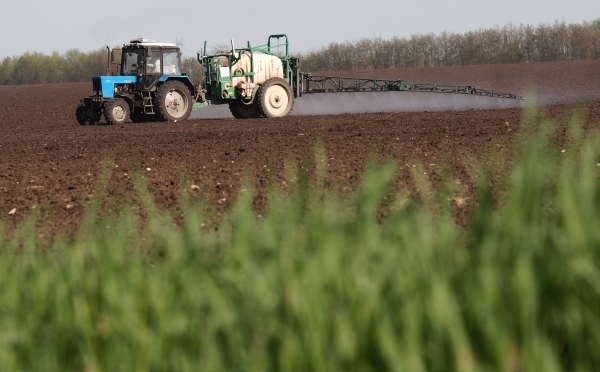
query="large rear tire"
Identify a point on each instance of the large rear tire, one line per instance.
(241, 111)
(174, 101)
(116, 111)
(275, 98)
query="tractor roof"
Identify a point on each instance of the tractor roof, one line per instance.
(148, 42)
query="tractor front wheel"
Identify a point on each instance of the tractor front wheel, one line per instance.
(275, 98)
(116, 111)
(81, 115)
(88, 114)
(174, 101)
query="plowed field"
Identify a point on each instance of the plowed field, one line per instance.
(50, 163)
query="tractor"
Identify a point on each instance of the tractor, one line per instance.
(150, 84)
(255, 81)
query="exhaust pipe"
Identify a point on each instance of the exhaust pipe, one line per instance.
(108, 61)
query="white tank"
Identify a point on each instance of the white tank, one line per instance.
(266, 67)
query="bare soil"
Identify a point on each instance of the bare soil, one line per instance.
(49, 163)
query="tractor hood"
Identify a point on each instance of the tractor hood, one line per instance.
(105, 85)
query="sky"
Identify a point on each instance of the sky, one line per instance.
(48, 26)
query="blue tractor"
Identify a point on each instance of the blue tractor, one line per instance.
(149, 86)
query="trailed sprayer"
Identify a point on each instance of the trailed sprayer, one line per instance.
(255, 81)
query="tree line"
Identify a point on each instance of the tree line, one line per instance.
(508, 44)
(72, 66)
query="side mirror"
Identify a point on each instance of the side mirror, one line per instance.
(112, 56)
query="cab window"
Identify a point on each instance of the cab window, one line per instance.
(132, 59)
(153, 63)
(171, 62)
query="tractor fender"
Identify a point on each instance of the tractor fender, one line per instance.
(182, 78)
(127, 99)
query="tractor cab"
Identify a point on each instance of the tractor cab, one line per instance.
(149, 61)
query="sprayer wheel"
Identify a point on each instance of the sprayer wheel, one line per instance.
(241, 111)
(275, 98)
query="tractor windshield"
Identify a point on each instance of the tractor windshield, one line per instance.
(132, 61)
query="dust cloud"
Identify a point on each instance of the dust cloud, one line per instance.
(360, 102)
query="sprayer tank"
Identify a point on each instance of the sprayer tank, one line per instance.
(265, 67)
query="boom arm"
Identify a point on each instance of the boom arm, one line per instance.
(325, 84)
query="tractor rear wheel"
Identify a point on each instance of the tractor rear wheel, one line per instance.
(241, 111)
(275, 98)
(116, 111)
(174, 101)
